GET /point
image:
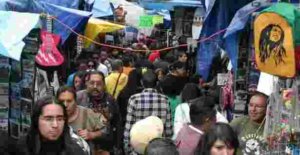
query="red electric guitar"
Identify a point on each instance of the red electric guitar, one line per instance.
(48, 54)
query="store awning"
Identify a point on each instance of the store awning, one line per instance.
(169, 4)
(96, 26)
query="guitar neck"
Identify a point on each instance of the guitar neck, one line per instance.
(49, 28)
(79, 46)
(49, 23)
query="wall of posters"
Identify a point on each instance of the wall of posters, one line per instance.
(21, 95)
(4, 90)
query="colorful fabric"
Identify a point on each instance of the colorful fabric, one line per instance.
(96, 26)
(291, 14)
(147, 103)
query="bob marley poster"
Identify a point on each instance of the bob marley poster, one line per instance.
(274, 45)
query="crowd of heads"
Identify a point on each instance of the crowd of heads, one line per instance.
(148, 70)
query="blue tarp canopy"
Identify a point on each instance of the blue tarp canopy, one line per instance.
(73, 18)
(102, 8)
(169, 4)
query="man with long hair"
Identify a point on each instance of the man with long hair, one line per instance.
(49, 131)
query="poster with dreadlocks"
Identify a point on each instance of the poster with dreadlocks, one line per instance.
(274, 45)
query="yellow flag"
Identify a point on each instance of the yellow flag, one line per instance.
(96, 26)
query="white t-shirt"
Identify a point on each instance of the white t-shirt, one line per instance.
(102, 68)
(182, 116)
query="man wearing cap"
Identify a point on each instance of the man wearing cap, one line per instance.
(147, 103)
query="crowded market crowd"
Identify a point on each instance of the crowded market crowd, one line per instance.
(137, 103)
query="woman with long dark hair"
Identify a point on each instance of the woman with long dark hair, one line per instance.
(79, 80)
(220, 140)
(49, 132)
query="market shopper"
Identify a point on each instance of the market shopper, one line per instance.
(182, 57)
(99, 64)
(147, 103)
(96, 98)
(49, 131)
(189, 93)
(116, 80)
(173, 84)
(127, 64)
(104, 59)
(219, 140)
(161, 146)
(84, 121)
(80, 65)
(203, 116)
(79, 80)
(250, 128)
(132, 87)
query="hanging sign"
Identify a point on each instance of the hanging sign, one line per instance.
(157, 19)
(146, 21)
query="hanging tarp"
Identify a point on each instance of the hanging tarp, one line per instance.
(74, 4)
(102, 8)
(12, 34)
(238, 23)
(169, 4)
(75, 19)
(216, 21)
(96, 26)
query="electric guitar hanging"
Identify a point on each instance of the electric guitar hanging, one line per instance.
(48, 54)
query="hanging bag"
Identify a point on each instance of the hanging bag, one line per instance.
(274, 42)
